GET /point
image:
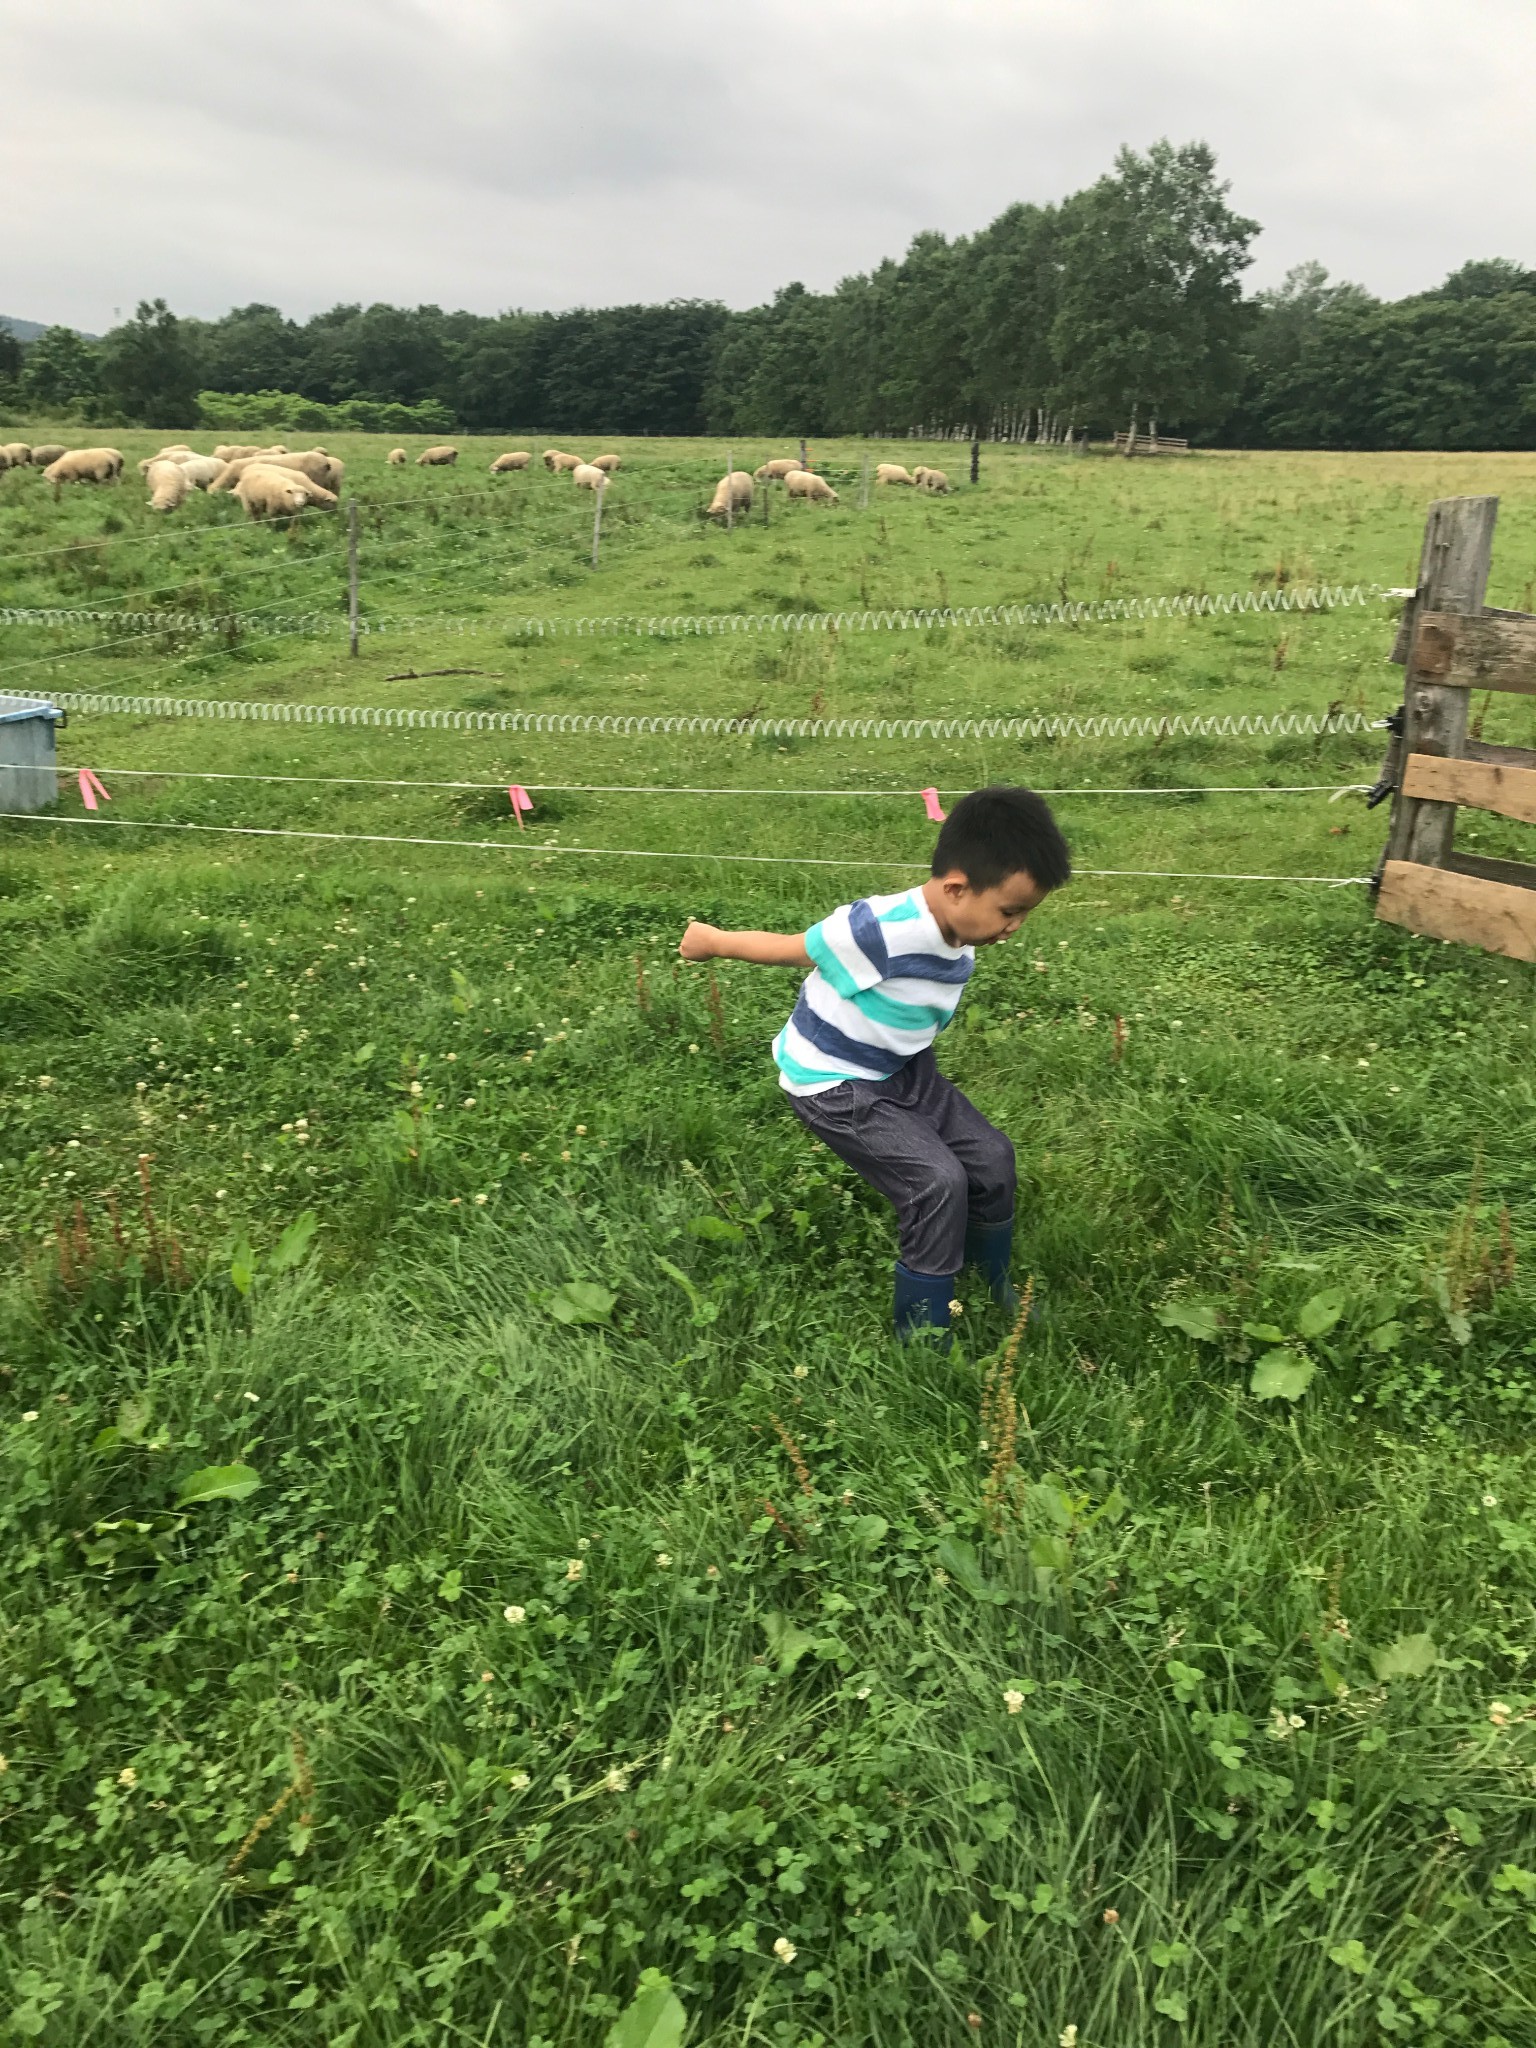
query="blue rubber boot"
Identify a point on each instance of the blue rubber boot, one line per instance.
(989, 1247)
(922, 1305)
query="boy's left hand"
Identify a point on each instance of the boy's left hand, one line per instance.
(699, 941)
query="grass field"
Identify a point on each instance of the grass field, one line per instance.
(613, 1596)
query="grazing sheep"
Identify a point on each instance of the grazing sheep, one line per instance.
(608, 463)
(86, 466)
(15, 455)
(268, 492)
(168, 486)
(586, 477)
(49, 452)
(733, 497)
(396, 458)
(322, 469)
(518, 459)
(775, 472)
(437, 458)
(200, 470)
(893, 473)
(933, 480)
(804, 483)
(556, 459)
(232, 451)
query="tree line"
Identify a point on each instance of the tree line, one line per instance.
(1121, 306)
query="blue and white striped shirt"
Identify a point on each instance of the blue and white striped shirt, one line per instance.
(885, 984)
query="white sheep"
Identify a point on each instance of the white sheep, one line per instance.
(932, 480)
(587, 477)
(556, 459)
(86, 466)
(804, 483)
(518, 459)
(168, 485)
(733, 497)
(442, 457)
(893, 473)
(776, 471)
(607, 462)
(396, 458)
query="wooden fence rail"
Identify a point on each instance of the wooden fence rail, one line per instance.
(1451, 644)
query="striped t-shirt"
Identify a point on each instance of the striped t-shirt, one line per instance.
(885, 983)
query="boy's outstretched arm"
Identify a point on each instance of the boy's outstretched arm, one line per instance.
(765, 949)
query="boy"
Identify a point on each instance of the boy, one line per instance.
(856, 1057)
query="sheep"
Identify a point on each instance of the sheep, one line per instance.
(267, 492)
(167, 484)
(325, 470)
(232, 451)
(49, 452)
(200, 470)
(893, 473)
(733, 497)
(555, 459)
(15, 455)
(607, 463)
(933, 480)
(775, 472)
(586, 477)
(86, 466)
(804, 483)
(396, 458)
(518, 459)
(437, 458)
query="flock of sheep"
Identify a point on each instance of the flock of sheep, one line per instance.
(273, 481)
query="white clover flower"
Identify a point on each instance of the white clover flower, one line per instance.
(1068, 2036)
(128, 1777)
(957, 1308)
(785, 1950)
(574, 1569)
(519, 1781)
(616, 1781)
(29, 1415)
(1490, 1500)
(1013, 1700)
(802, 1372)
(1499, 1713)
(515, 1615)
(481, 1200)
(663, 1558)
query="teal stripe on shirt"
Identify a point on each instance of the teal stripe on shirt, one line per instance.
(880, 1008)
(821, 952)
(788, 1064)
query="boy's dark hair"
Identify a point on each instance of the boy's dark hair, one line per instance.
(997, 832)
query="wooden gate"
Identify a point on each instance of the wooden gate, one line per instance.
(1452, 644)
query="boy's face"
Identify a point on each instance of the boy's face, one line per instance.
(981, 917)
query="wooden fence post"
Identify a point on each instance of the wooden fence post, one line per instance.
(730, 493)
(864, 484)
(352, 574)
(975, 460)
(1453, 575)
(597, 519)
(805, 459)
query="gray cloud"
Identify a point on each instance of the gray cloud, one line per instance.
(560, 152)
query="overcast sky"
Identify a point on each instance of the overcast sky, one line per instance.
(550, 153)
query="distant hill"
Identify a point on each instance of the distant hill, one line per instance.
(29, 330)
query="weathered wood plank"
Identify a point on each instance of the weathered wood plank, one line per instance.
(1490, 653)
(1453, 575)
(1464, 908)
(1519, 874)
(1489, 786)
(1509, 757)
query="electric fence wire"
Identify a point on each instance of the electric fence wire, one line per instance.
(547, 850)
(642, 725)
(706, 625)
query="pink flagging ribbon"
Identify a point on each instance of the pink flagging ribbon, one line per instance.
(932, 805)
(91, 787)
(521, 801)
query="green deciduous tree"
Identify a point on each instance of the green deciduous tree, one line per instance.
(60, 368)
(1151, 314)
(150, 368)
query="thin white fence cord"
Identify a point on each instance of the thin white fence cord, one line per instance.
(1329, 789)
(642, 725)
(708, 625)
(546, 849)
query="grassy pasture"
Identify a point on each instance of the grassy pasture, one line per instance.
(615, 1597)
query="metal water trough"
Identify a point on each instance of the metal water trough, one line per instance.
(29, 779)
